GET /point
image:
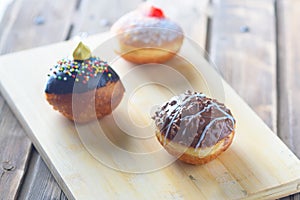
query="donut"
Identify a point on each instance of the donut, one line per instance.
(84, 83)
(145, 35)
(194, 128)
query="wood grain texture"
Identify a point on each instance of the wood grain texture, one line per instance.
(188, 22)
(30, 23)
(39, 182)
(289, 70)
(191, 15)
(27, 24)
(243, 45)
(244, 171)
(97, 16)
(292, 197)
(15, 149)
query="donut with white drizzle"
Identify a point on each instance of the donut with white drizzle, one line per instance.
(194, 127)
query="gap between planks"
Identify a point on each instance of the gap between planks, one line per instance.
(13, 38)
(288, 72)
(39, 182)
(245, 52)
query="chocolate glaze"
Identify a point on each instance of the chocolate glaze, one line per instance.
(194, 120)
(77, 76)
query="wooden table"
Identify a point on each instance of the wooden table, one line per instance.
(255, 43)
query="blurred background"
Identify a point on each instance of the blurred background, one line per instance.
(28, 23)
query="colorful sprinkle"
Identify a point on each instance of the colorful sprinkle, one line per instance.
(79, 71)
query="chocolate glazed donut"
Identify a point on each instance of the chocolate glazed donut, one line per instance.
(84, 72)
(194, 127)
(85, 82)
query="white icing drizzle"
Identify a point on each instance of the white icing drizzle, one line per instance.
(180, 105)
(227, 116)
(170, 125)
(136, 27)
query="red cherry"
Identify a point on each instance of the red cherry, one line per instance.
(156, 12)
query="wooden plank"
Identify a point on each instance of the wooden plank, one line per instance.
(15, 149)
(39, 182)
(262, 167)
(288, 70)
(191, 15)
(98, 16)
(25, 24)
(232, 47)
(243, 46)
(292, 197)
(33, 23)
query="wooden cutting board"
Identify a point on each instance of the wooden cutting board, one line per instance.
(87, 166)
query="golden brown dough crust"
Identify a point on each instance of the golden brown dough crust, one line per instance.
(149, 55)
(89, 105)
(195, 156)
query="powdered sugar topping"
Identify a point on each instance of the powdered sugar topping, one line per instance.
(137, 29)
